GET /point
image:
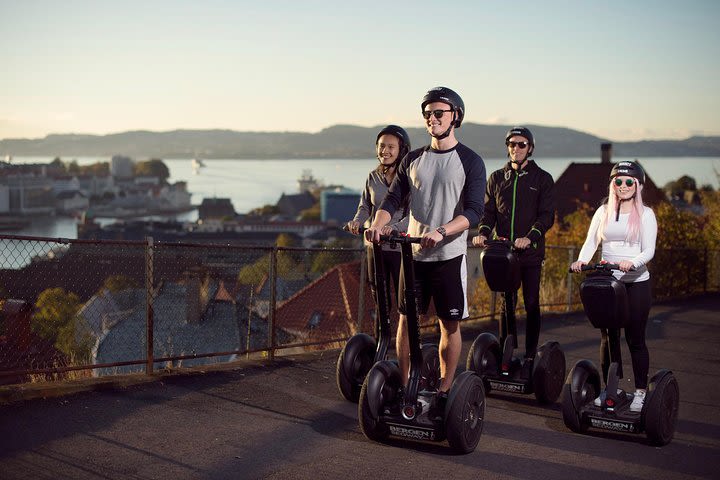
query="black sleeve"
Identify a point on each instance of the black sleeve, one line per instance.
(489, 218)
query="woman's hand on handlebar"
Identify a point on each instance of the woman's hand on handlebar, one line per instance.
(577, 266)
(353, 227)
(626, 265)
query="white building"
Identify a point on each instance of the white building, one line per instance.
(121, 166)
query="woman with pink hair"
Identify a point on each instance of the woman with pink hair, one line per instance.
(627, 230)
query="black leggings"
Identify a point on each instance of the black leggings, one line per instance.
(530, 278)
(639, 299)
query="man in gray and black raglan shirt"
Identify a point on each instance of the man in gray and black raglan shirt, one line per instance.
(446, 185)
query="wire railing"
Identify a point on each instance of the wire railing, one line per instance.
(82, 308)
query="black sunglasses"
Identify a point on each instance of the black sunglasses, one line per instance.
(517, 144)
(628, 181)
(437, 113)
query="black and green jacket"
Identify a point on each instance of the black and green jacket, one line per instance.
(520, 204)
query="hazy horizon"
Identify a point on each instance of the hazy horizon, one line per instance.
(625, 71)
(314, 132)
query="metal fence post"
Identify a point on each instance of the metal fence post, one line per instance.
(273, 303)
(149, 297)
(571, 257)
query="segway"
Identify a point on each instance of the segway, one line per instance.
(362, 351)
(496, 365)
(388, 407)
(605, 303)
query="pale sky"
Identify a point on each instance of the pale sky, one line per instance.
(619, 69)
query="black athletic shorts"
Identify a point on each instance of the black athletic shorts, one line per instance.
(445, 282)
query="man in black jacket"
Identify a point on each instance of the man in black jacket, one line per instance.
(520, 206)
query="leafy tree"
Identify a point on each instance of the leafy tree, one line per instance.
(99, 169)
(677, 228)
(572, 230)
(325, 260)
(711, 221)
(73, 167)
(265, 210)
(55, 319)
(285, 240)
(254, 274)
(311, 214)
(677, 188)
(152, 168)
(118, 283)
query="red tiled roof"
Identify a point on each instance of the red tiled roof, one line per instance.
(332, 300)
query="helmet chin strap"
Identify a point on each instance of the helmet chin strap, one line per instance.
(447, 132)
(527, 158)
(617, 213)
(386, 168)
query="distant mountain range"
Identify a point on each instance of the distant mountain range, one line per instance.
(339, 141)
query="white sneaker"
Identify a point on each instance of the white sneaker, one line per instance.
(638, 401)
(601, 398)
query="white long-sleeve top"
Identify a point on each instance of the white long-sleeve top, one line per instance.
(616, 248)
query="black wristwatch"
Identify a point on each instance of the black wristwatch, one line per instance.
(441, 231)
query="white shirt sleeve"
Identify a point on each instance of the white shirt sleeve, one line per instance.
(591, 244)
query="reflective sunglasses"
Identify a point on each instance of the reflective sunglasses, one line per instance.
(517, 144)
(438, 113)
(628, 181)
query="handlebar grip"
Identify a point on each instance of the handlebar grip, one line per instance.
(597, 266)
(399, 238)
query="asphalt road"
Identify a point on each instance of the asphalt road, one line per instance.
(286, 420)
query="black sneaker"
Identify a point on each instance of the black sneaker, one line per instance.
(437, 406)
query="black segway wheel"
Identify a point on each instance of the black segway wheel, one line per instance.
(465, 412)
(581, 387)
(379, 390)
(484, 357)
(548, 373)
(353, 364)
(660, 411)
(430, 372)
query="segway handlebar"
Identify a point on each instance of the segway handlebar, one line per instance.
(499, 241)
(395, 237)
(602, 266)
(507, 243)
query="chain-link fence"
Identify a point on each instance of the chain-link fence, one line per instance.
(77, 308)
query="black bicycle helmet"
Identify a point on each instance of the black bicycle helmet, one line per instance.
(446, 95)
(523, 132)
(402, 136)
(399, 132)
(628, 169)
